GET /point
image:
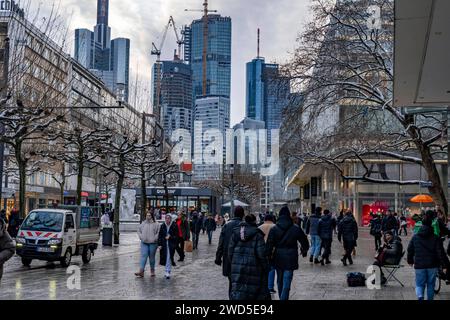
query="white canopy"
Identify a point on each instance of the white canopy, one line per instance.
(236, 203)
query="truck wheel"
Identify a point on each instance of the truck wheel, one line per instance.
(87, 255)
(66, 259)
(26, 262)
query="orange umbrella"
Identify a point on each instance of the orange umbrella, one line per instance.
(422, 198)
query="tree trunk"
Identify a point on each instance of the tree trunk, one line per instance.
(117, 209)
(22, 165)
(79, 182)
(62, 185)
(143, 195)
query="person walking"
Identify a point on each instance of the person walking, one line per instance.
(327, 224)
(389, 223)
(13, 223)
(222, 258)
(211, 226)
(167, 242)
(249, 263)
(282, 250)
(403, 225)
(196, 228)
(183, 234)
(7, 247)
(426, 255)
(375, 230)
(312, 229)
(148, 233)
(265, 228)
(348, 234)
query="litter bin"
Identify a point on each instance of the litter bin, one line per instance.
(107, 236)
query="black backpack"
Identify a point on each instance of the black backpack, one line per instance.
(356, 279)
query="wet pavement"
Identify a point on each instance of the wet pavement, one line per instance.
(110, 275)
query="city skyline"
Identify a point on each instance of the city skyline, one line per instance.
(277, 39)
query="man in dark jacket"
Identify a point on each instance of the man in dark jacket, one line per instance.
(183, 234)
(312, 229)
(426, 254)
(282, 250)
(249, 263)
(7, 248)
(224, 242)
(196, 228)
(348, 234)
(375, 230)
(390, 253)
(327, 224)
(390, 223)
(211, 226)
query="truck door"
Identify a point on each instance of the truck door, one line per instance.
(70, 232)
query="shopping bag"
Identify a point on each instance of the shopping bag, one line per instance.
(354, 252)
(188, 246)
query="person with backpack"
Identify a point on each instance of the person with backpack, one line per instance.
(426, 255)
(249, 263)
(312, 229)
(375, 230)
(282, 250)
(327, 224)
(348, 234)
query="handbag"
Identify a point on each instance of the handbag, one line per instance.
(188, 246)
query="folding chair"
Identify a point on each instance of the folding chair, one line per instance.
(391, 270)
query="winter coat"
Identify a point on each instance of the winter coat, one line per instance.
(375, 227)
(172, 242)
(224, 241)
(265, 228)
(348, 230)
(7, 248)
(185, 229)
(196, 225)
(14, 224)
(312, 226)
(389, 223)
(282, 247)
(148, 232)
(425, 250)
(249, 264)
(326, 226)
(393, 252)
(210, 225)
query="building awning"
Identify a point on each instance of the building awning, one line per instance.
(422, 50)
(305, 173)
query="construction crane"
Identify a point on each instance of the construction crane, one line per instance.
(156, 51)
(205, 42)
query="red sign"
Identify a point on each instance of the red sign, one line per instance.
(85, 194)
(186, 167)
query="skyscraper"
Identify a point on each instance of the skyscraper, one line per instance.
(176, 95)
(109, 60)
(218, 55)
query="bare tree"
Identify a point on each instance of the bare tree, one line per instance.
(344, 66)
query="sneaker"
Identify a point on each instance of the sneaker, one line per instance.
(272, 291)
(152, 274)
(139, 274)
(316, 261)
(167, 275)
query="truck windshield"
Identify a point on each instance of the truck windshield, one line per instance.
(43, 221)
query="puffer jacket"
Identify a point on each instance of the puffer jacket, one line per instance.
(312, 225)
(148, 232)
(210, 225)
(425, 250)
(224, 241)
(326, 226)
(282, 244)
(249, 264)
(393, 252)
(389, 223)
(348, 230)
(7, 248)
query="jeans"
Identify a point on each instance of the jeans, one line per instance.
(284, 278)
(148, 251)
(425, 278)
(168, 259)
(272, 278)
(195, 237)
(315, 246)
(326, 245)
(210, 234)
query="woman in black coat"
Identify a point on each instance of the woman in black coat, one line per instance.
(168, 242)
(249, 263)
(348, 234)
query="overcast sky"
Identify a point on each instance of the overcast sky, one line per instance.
(143, 22)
